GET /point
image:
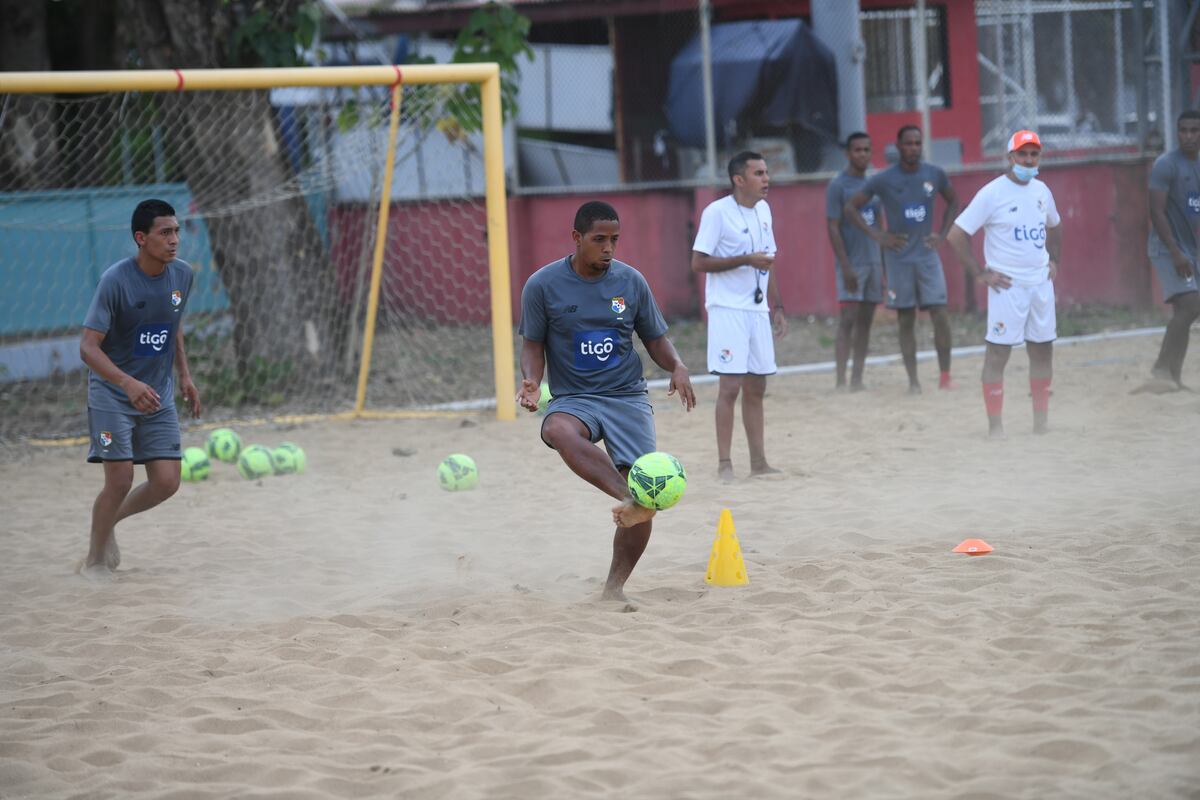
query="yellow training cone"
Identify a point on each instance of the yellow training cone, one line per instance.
(725, 565)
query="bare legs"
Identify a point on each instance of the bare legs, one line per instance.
(1169, 365)
(907, 318)
(570, 437)
(752, 388)
(854, 326)
(116, 502)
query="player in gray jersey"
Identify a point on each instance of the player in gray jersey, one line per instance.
(578, 318)
(1174, 218)
(133, 336)
(914, 272)
(859, 268)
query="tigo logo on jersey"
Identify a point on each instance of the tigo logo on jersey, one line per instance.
(618, 305)
(105, 438)
(1193, 203)
(176, 298)
(725, 356)
(915, 212)
(596, 350)
(151, 340)
(1036, 235)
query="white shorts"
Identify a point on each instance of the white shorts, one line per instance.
(1022, 314)
(740, 342)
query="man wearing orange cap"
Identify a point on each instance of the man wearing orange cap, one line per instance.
(1174, 217)
(1021, 247)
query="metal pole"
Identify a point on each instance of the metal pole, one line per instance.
(1139, 72)
(710, 125)
(1167, 62)
(922, 70)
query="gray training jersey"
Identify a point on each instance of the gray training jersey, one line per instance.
(860, 249)
(1179, 177)
(908, 199)
(587, 327)
(138, 316)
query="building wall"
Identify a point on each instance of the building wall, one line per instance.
(1103, 206)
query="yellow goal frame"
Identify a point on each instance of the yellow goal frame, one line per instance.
(488, 78)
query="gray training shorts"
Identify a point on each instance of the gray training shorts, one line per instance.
(117, 436)
(624, 422)
(1171, 283)
(912, 284)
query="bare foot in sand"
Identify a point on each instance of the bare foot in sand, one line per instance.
(725, 471)
(96, 573)
(112, 553)
(765, 470)
(1157, 385)
(627, 513)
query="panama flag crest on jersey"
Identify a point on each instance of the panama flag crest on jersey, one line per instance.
(176, 298)
(618, 305)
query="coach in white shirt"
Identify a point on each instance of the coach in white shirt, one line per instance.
(1022, 244)
(735, 250)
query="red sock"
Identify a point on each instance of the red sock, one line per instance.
(944, 380)
(1040, 389)
(993, 398)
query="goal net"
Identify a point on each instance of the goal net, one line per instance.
(279, 192)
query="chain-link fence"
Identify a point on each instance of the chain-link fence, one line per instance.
(652, 96)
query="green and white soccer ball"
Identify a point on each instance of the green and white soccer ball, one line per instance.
(657, 480)
(288, 458)
(457, 473)
(255, 462)
(194, 465)
(224, 445)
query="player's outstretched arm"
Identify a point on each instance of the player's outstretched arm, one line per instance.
(663, 353)
(533, 366)
(191, 395)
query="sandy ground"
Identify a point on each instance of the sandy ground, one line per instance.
(356, 631)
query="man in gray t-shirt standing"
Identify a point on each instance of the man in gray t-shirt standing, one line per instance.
(132, 337)
(1174, 218)
(859, 267)
(914, 272)
(578, 318)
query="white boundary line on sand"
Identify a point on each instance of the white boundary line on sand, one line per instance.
(828, 366)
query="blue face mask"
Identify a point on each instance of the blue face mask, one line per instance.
(1024, 174)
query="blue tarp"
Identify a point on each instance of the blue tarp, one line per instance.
(778, 65)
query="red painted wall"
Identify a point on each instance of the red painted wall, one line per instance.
(1103, 207)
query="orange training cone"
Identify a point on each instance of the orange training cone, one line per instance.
(725, 565)
(973, 547)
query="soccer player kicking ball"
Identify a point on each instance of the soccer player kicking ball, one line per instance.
(578, 317)
(132, 338)
(1022, 246)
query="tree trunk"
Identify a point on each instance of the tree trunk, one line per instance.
(27, 130)
(281, 283)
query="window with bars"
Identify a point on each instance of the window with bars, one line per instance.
(891, 72)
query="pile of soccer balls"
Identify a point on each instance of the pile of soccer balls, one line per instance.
(253, 461)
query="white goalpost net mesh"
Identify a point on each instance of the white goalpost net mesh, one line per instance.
(277, 193)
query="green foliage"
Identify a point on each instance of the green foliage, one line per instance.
(272, 34)
(494, 33)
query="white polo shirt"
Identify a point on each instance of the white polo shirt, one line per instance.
(730, 229)
(1014, 218)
